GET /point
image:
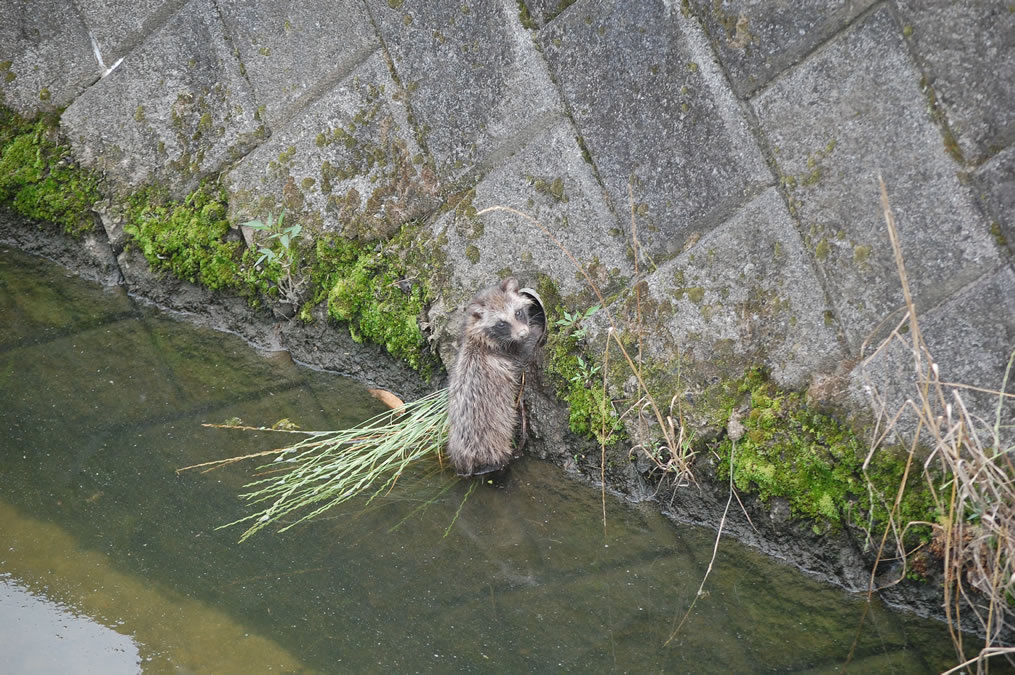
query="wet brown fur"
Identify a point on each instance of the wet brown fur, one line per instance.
(496, 345)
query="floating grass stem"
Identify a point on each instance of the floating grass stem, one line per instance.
(326, 468)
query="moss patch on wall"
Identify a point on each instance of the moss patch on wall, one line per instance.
(788, 449)
(365, 285)
(186, 238)
(39, 180)
(574, 373)
(368, 287)
(815, 462)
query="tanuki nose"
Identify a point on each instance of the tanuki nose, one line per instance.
(523, 332)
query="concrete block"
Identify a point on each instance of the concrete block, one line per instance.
(550, 181)
(744, 295)
(120, 25)
(45, 55)
(967, 51)
(293, 51)
(756, 40)
(995, 181)
(348, 164)
(854, 109)
(175, 110)
(970, 338)
(653, 108)
(541, 12)
(476, 84)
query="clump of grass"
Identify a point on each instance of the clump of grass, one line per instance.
(327, 468)
(974, 534)
(577, 379)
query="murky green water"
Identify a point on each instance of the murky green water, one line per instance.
(110, 561)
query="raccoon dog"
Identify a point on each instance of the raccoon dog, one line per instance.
(497, 343)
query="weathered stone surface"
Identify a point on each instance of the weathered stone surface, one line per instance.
(968, 54)
(653, 107)
(549, 181)
(349, 164)
(178, 104)
(45, 56)
(291, 52)
(852, 110)
(119, 25)
(476, 83)
(541, 12)
(91, 256)
(996, 182)
(970, 338)
(744, 295)
(756, 39)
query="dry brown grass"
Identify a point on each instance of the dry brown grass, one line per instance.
(974, 534)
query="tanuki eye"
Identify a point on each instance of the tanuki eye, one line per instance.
(501, 324)
(519, 315)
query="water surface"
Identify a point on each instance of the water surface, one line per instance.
(107, 549)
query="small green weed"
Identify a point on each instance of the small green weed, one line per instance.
(578, 379)
(574, 321)
(280, 258)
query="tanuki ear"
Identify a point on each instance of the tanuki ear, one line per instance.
(509, 285)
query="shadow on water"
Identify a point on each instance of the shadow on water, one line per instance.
(100, 402)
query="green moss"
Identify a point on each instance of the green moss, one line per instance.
(951, 143)
(860, 254)
(812, 460)
(186, 238)
(526, 18)
(575, 375)
(472, 254)
(38, 179)
(372, 293)
(561, 6)
(554, 187)
(821, 252)
(995, 231)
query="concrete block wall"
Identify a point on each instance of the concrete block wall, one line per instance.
(744, 138)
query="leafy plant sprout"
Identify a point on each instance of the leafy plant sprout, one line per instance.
(574, 320)
(281, 253)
